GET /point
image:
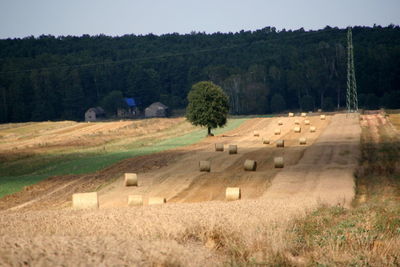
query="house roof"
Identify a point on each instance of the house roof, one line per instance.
(97, 110)
(157, 105)
(130, 102)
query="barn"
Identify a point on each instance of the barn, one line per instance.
(93, 114)
(156, 109)
(131, 109)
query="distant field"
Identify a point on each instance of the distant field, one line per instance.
(395, 120)
(31, 152)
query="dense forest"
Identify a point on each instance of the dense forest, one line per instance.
(262, 71)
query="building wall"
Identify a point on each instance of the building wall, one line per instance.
(152, 112)
(90, 116)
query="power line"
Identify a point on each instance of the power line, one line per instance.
(302, 35)
(126, 60)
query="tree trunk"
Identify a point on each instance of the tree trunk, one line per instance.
(209, 131)
(322, 100)
(4, 104)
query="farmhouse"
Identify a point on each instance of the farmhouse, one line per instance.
(156, 109)
(93, 114)
(131, 109)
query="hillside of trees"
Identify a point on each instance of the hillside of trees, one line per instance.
(262, 71)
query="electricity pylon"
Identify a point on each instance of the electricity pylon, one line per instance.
(351, 96)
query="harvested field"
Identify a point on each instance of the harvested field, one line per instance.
(22, 167)
(196, 227)
(48, 137)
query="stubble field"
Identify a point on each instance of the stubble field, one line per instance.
(277, 222)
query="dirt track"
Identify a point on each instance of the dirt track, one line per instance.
(190, 232)
(326, 170)
(181, 180)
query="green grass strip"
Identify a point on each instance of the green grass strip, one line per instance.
(88, 163)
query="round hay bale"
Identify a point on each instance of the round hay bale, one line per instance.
(313, 129)
(280, 143)
(291, 114)
(250, 165)
(280, 122)
(322, 117)
(303, 141)
(266, 141)
(135, 200)
(219, 147)
(204, 165)
(278, 162)
(307, 122)
(256, 133)
(157, 200)
(297, 122)
(297, 129)
(131, 179)
(232, 193)
(277, 131)
(303, 114)
(85, 200)
(232, 149)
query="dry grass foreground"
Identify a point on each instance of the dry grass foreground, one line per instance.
(192, 234)
(369, 233)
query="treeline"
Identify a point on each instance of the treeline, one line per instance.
(263, 71)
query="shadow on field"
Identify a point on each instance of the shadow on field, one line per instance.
(226, 170)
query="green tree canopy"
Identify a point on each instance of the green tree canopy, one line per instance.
(307, 103)
(54, 78)
(113, 101)
(328, 104)
(278, 103)
(208, 106)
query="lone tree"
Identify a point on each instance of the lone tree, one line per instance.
(208, 106)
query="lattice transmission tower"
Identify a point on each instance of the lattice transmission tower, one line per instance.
(351, 96)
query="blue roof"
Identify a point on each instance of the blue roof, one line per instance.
(131, 102)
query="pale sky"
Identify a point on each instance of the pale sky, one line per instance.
(21, 18)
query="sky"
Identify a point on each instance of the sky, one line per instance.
(21, 18)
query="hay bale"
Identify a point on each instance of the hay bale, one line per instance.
(280, 143)
(219, 147)
(232, 149)
(204, 165)
(307, 122)
(256, 133)
(297, 122)
(278, 162)
(313, 129)
(157, 200)
(297, 129)
(232, 193)
(322, 117)
(303, 114)
(291, 114)
(303, 141)
(131, 179)
(250, 165)
(85, 200)
(277, 131)
(280, 122)
(135, 200)
(266, 141)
